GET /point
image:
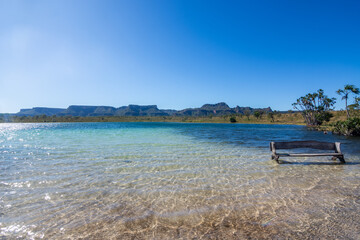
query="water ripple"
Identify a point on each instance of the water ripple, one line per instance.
(169, 180)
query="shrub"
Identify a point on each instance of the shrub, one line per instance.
(232, 119)
(350, 127)
(323, 117)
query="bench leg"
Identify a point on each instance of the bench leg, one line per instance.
(275, 157)
(342, 160)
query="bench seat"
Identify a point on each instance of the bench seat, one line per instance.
(335, 147)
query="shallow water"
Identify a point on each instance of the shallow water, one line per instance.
(172, 180)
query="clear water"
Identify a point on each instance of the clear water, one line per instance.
(172, 180)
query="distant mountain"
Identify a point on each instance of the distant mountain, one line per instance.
(88, 111)
(40, 111)
(169, 112)
(136, 110)
(217, 109)
(243, 110)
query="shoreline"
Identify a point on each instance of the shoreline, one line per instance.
(280, 119)
(250, 123)
(290, 118)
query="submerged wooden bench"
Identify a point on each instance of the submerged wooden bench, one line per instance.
(307, 144)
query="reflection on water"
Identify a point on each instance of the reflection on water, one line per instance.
(169, 180)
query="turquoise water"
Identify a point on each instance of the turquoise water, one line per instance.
(172, 180)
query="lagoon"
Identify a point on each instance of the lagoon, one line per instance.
(172, 180)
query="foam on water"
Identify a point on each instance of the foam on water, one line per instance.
(167, 180)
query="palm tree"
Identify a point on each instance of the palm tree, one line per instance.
(345, 95)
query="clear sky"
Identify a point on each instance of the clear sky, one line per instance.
(175, 53)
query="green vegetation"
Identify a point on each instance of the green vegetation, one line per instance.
(278, 118)
(257, 114)
(349, 127)
(315, 108)
(345, 96)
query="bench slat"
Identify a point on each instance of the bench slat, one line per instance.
(308, 154)
(305, 144)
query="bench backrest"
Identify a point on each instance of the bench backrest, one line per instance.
(303, 144)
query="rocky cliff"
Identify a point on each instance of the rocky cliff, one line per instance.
(217, 109)
(40, 111)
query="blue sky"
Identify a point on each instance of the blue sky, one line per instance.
(175, 53)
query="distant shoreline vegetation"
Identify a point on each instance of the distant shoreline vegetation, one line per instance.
(275, 117)
(290, 118)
